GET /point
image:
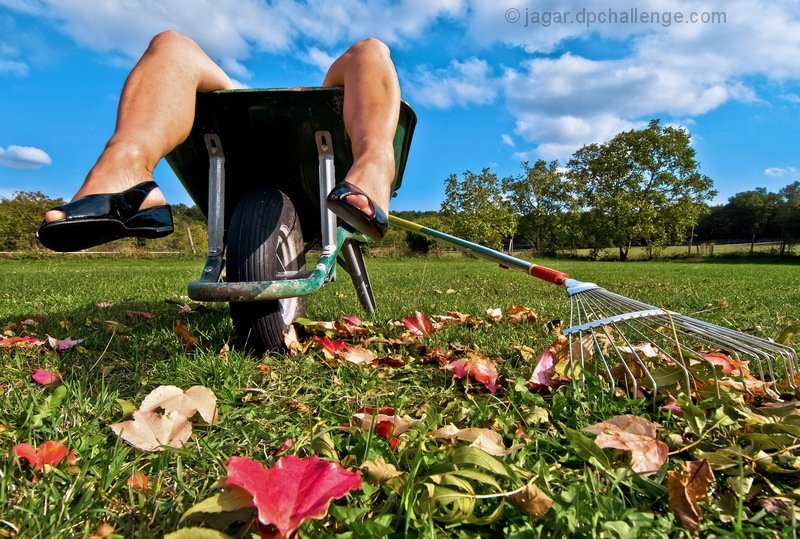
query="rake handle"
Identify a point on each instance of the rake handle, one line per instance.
(506, 261)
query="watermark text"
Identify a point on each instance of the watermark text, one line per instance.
(595, 17)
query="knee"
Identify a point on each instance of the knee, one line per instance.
(371, 48)
(170, 40)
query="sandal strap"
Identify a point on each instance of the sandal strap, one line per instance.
(113, 205)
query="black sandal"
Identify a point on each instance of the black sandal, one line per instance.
(96, 219)
(374, 226)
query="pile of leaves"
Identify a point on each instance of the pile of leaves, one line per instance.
(518, 443)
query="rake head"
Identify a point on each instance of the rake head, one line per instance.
(643, 347)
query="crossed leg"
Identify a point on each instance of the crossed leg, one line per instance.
(157, 106)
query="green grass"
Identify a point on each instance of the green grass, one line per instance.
(307, 399)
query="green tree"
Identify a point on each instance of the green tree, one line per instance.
(787, 215)
(541, 199)
(752, 213)
(477, 210)
(20, 216)
(641, 186)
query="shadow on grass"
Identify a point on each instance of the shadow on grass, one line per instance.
(128, 345)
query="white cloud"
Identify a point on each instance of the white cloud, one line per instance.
(461, 84)
(24, 157)
(507, 140)
(319, 58)
(780, 172)
(13, 67)
(232, 30)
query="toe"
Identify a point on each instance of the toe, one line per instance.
(54, 215)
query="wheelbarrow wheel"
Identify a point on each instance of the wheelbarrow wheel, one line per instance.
(264, 240)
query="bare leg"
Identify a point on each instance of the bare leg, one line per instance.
(371, 110)
(156, 112)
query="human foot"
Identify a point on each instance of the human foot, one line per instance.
(117, 170)
(96, 218)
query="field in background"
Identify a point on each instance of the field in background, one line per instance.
(264, 401)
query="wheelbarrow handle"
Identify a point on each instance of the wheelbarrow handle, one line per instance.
(506, 261)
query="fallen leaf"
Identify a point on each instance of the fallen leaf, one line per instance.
(636, 435)
(419, 325)
(531, 501)
(379, 471)
(485, 439)
(688, 488)
(62, 344)
(188, 342)
(139, 481)
(151, 431)
(728, 364)
(104, 305)
(476, 366)
(20, 342)
(671, 405)
(196, 399)
(293, 490)
(142, 314)
(628, 423)
(45, 378)
(103, 531)
(359, 356)
(494, 313)
(520, 313)
(50, 453)
(386, 416)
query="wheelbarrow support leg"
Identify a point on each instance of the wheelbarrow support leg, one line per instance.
(216, 210)
(327, 180)
(353, 262)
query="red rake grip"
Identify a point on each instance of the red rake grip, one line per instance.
(547, 274)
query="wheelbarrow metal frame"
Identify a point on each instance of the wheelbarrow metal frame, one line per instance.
(234, 112)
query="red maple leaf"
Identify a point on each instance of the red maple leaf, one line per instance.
(45, 378)
(50, 453)
(293, 490)
(478, 367)
(331, 346)
(419, 324)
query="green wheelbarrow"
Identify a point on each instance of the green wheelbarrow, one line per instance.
(259, 164)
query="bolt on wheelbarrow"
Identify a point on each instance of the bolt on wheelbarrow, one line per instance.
(259, 164)
(643, 346)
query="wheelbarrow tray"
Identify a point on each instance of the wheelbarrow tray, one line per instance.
(268, 137)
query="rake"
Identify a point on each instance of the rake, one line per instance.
(641, 345)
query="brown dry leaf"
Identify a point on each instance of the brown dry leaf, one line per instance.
(531, 501)
(494, 313)
(485, 439)
(520, 313)
(196, 399)
(293, 344)
(647, 454)
(752, 388)
(188, 342)
(379, 471)
(686, 490)
(150, 431)
(634, 434)
(628, 423)
(223, 353)
(103, 531)
(298, 406)
(359, 356)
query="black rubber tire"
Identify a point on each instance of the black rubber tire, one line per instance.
(264, 238)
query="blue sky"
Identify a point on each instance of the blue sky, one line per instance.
(492, 82)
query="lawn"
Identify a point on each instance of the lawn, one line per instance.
(125, 313)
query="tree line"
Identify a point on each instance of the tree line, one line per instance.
(641, 188)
